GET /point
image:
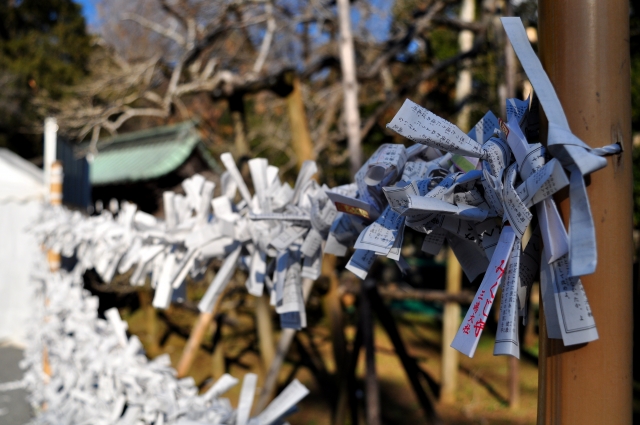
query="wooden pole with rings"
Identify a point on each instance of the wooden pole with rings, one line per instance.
(584, 48)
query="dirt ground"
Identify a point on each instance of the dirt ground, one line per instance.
(482, 383)
(481, 398)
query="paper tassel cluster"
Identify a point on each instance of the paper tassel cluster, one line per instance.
(80, 369)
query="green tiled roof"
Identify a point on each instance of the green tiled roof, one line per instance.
(147, 154)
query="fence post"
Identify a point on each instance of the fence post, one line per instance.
(53, 258)
(584, 48)
(55, 198)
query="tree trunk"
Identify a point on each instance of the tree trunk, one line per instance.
(350, 84)
(464, 82)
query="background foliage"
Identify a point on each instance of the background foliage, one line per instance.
(44, 47)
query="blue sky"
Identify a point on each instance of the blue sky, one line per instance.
(89, 11)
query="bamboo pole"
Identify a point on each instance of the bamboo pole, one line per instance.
(450, 323)
(193, 343)
(451, 314)
(513, 365)
(196, 336)
(584, 47)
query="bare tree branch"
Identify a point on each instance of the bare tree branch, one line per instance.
(175, 13)
(423, 76)
(225, 58)
(268, 38)
(402, 40)
(172, 33)
(459, 24)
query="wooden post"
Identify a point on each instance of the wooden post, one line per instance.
(303, 147)
(333, 309)
(151, 322)
(286, 338)
(350, 85)
(509, 61)
(513, 372)
(55, 198)
(218, 360)
(193, 343)
(584, 48)
(409, 364)
(351, 375)
(530, 335)
(53, 258)
(451, 314)
(236, 108)
(195, 339)
(372, 391)
(300, 135)
(513, 366)
(450, 323)
(264, 328)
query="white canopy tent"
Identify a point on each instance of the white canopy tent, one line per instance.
(22, 193)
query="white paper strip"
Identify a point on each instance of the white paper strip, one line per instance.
(577, 325)
(246, 398)
(466, 340)
(289, 397)
(422, 126)
(219, 282)
(507, 338)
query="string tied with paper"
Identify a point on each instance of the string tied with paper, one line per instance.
(479, 191)
(516, 175)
